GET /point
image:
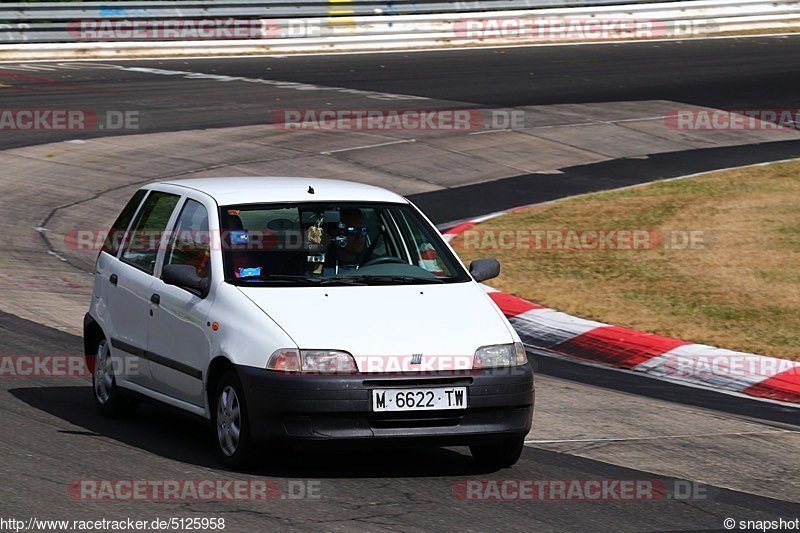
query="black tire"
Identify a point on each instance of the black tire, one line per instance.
(107, 396)
(501, 454)
(224, 423)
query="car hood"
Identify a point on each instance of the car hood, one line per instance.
(384, 326)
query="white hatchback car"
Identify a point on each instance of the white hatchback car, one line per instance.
(286, 309)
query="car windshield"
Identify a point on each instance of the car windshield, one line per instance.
(333, 244)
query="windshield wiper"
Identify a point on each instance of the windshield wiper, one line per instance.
(273, 278)
(267, 279)
(342, 281)
(270, 279)
(391, 280)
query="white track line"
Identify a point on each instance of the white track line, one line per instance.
(367, 146)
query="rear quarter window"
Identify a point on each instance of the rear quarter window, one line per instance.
(143, 241)
(118, 229)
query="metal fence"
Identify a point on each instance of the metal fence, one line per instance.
(44, 30)
(59, 22)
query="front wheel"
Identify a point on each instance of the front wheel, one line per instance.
(501, 454)
(230, 422)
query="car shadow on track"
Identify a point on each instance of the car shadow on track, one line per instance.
(172, 435)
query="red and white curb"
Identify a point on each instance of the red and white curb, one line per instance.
(664, 358)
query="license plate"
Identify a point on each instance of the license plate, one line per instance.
(419, 399)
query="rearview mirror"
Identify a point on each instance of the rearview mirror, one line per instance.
(483, 269)
(185, 277)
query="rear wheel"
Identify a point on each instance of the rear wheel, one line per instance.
(501, 454)
(107, 396)
(230, 422)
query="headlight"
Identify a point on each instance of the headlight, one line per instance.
(500, 355)
(328, 362)
(312, 361)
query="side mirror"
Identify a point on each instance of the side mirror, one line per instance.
(483, 269)
(185, 277)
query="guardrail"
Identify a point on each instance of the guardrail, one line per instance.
(55, 21)
(102, 30)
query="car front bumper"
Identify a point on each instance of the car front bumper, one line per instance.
(339, 407)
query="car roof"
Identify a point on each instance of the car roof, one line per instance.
(251, 189)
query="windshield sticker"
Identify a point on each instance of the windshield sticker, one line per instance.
(247, 272)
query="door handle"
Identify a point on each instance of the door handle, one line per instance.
(156, 299)
(113, 279)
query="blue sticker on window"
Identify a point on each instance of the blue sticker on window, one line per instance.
(246, 272)
(240, 237)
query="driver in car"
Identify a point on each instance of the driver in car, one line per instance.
(347, 242)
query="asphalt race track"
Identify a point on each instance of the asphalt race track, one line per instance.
(52, 435)
(590, 423)
(757, 73)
